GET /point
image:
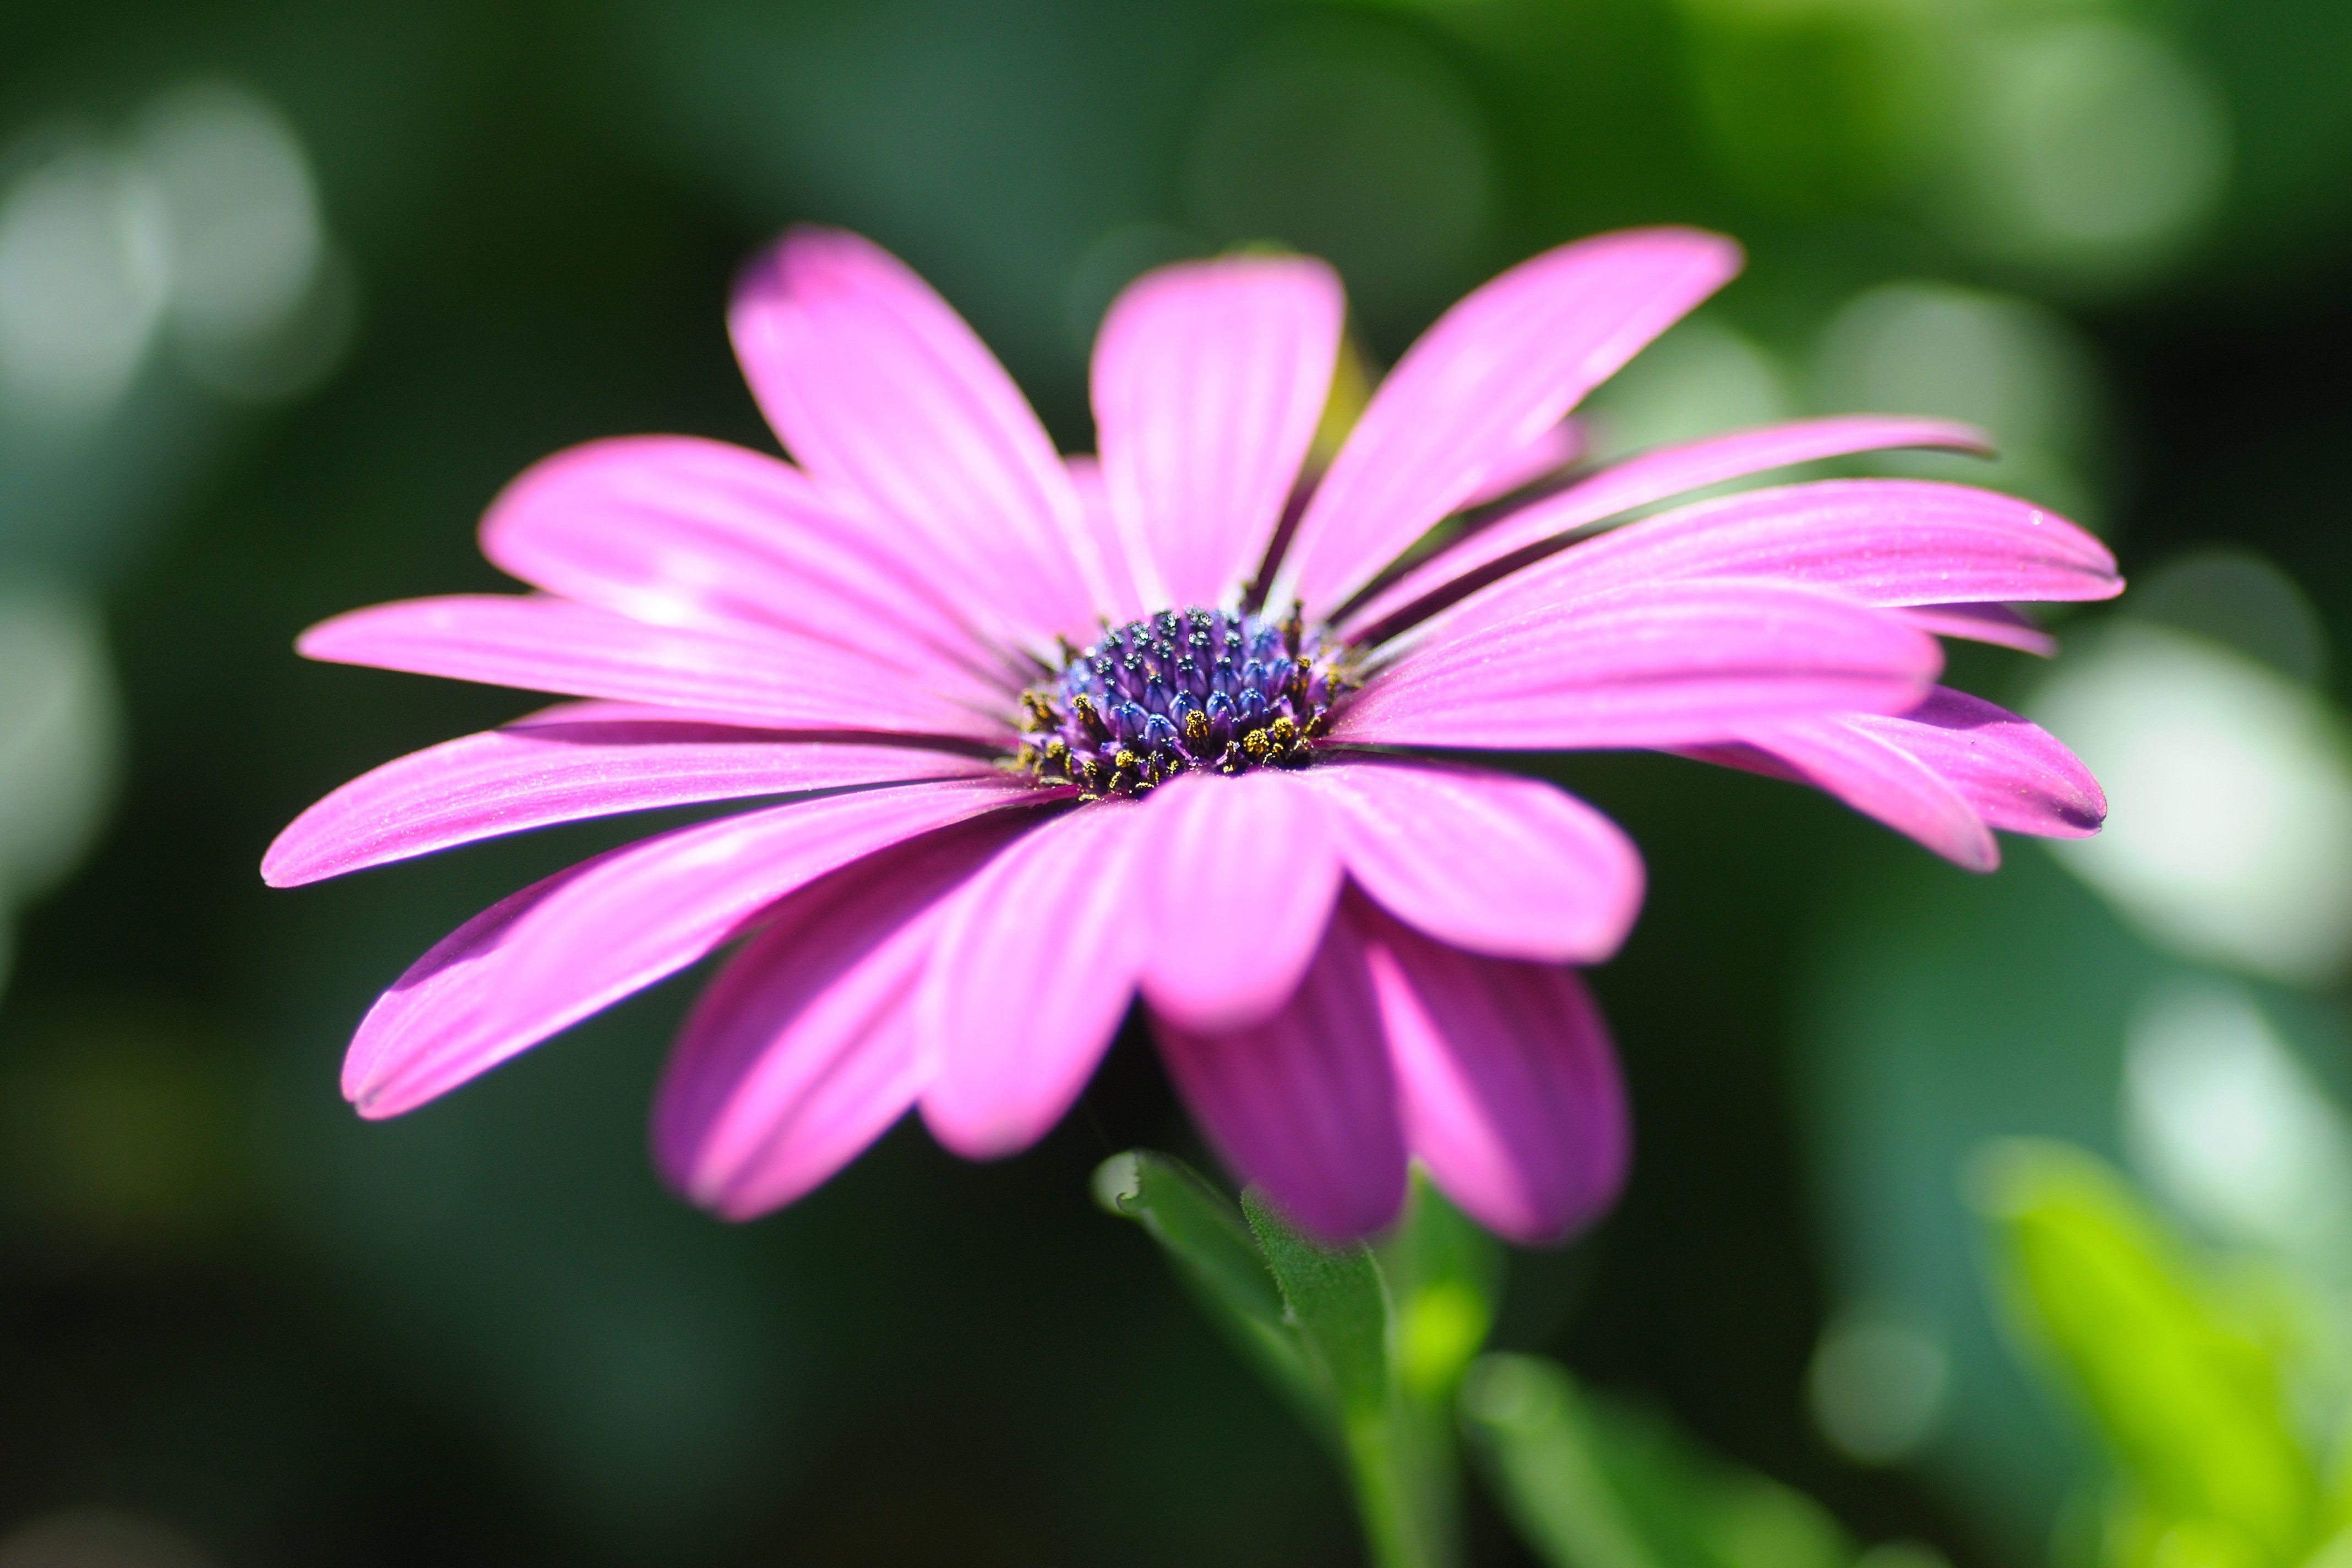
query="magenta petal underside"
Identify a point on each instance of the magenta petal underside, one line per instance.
(1875, 778)
(1305, 1103)
(876, 385)
(1677, 664)
(804, 1049)
(1209, 378)
(780, 680)
(543, 959)
(2020, 777)
(1031, 977)
(1880, 542)
(1655, 476)
(569, 764)
(1507, 1084)
(1502, 864)
(678, 532)
(1997, 624)
(1943, 773)
(1496, 372)
(1238, 877)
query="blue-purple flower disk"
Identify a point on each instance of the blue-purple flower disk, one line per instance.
(1217, 689)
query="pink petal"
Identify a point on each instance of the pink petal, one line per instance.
(543, 959)
(1237, 876)
(579, 760)
(1125, 600)
(1499, 864)
(1209, 379)
(2016, 775)
(1653, 477)
(683, 532)
(1876, 779)
(1305, 1103)
(1507, 1084)
(1679, 664)
(1030, 979)
(553, 645)
(1881, 541)
(803, 1050)
(878, 386)
(1492, 375)
(1942, 773)
(1547, 454)
(1996, 624)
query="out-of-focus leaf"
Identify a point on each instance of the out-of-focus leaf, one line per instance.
(2188, 1399)
(1204, 1235)
(1444, 1276)
(1594, 1485)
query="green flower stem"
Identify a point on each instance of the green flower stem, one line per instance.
(1404, 1471)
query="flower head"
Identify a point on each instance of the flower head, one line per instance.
(1054, 734)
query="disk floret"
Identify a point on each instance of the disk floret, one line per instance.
(1218, 689)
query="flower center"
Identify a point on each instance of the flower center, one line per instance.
(1184, 689)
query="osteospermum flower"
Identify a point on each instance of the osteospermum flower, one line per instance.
(1062, 733)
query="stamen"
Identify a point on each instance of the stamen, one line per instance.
(1215, 689)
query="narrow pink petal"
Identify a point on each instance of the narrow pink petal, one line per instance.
(1209, 378)
(1942, 773)
(1237, 876)
(1507, 1084)
(803, 1050)
(1490, 861)
(1124, 598)
(1031, 977)
(1997, 624)
(1881, 541)
(1494, 373)
(579, 760)
(2017, 775)
(1655, 476)
(1547, 454)
(1305, 1103)
(875, 384)
(562, 948)
(678, 532)
(1679, 664)
(553, 645)
(1875, 778)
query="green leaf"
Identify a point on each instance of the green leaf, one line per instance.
(1204, 1235)
(1337, 1301)
(1401, 1461)
(1317, 1321)
(2187, 1396)
(1594, 1485)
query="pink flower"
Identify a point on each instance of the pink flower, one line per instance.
(1049, 755)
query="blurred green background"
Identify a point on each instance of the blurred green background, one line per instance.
(288, 291)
